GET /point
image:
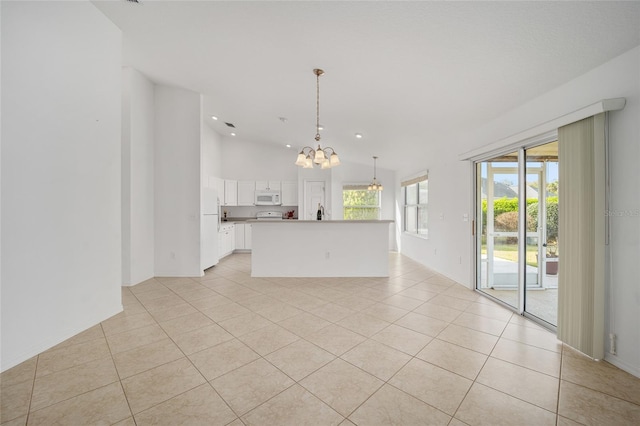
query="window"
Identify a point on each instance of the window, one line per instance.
(360, 203)
(416, 196)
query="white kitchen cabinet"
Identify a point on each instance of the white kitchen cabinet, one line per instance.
(246, 192)
(289, 193)
(243, 236)
(247, 236)
(230, 192)
(272, 185)
(239, 236)
(226, 239)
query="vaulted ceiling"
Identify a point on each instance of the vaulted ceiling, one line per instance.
(406, 75)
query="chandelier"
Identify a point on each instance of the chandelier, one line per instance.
(326, 157)
(375, 185)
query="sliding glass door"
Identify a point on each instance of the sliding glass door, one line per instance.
(497, 218)
(541, 297)
(516, 238)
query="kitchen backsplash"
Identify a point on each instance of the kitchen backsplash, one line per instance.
(251, 211)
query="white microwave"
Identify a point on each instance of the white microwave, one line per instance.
(268, 198)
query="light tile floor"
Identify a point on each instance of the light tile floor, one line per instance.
(412, 349)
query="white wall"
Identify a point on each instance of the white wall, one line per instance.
(252, 161)
(137, 177)
(450, 191)
(61, 227)
(211, 152)
(177, 182)
(1, 352)
(447, 248)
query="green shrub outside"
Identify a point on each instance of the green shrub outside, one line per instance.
(506, 205)
(552, 217)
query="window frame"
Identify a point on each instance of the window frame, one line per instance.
(360, 187)
(418, 205)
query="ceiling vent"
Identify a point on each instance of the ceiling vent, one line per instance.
(230, 125)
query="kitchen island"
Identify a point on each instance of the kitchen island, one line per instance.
(320, 248)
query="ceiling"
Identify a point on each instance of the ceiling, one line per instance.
(408, 76)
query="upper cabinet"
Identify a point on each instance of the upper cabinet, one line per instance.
(242, 193)
(289, 193)
(246, 192)
(230, 192)
(272, 185)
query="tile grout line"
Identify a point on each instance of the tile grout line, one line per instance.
(235, 274)
(559, 384)
(33, 388)
(119, 378)
(385, 382)
(187, 358)
(473, 382)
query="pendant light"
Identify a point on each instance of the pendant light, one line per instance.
(325, 157)
(375, 185)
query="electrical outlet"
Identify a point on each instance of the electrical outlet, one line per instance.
(173, 255)
(460, 260)
(435, 251)
(327, 255)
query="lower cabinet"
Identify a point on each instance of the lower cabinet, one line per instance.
(247, 236)
(226, 239)
(243, 236)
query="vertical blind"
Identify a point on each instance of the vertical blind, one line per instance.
(581, 235)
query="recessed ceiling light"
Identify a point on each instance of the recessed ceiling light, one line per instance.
(288, 145)
(233, 134)
(213, 117)
(283, 119)
(359, 135)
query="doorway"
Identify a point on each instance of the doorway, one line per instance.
(314, 195)
(517, 254)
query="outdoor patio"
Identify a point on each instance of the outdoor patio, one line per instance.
(540, 300)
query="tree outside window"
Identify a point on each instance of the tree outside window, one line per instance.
(360, 203)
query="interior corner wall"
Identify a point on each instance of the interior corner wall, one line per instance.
(61, 225)
(211, 146)
(177, 182)
(137, 177)
(446, 250)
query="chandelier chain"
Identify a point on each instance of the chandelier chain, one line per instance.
(318, 74)
(326, 157)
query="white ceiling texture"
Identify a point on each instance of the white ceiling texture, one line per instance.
(403, 74)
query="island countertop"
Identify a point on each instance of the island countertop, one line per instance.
(320, 248)
(317, 221)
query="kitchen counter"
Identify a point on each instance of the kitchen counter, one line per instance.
(320, 248)
(320, 221)
(236, 219)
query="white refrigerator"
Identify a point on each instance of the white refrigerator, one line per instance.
(209, 228)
